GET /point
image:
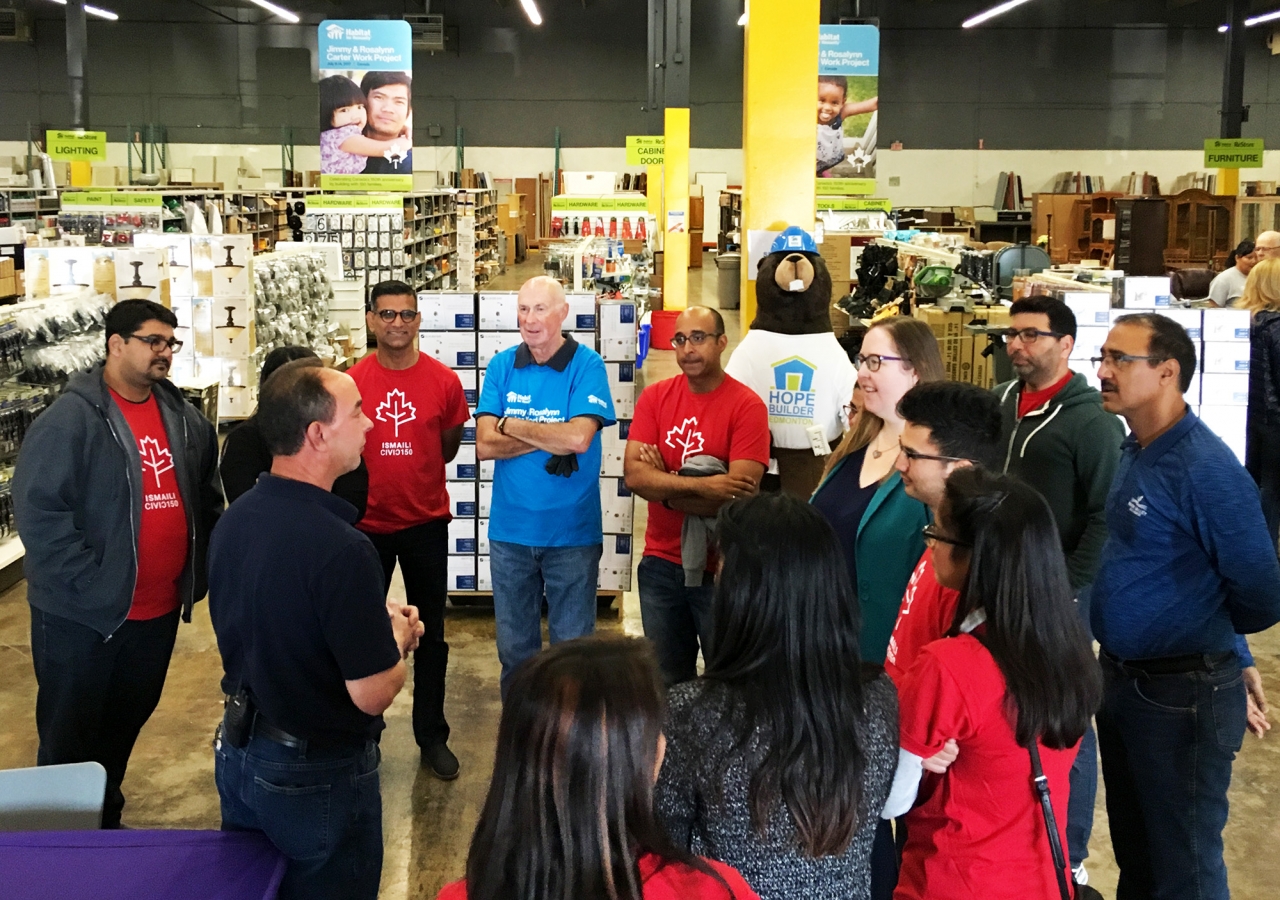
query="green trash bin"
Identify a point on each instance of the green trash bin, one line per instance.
(729, 289)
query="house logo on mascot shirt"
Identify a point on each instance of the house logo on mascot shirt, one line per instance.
(792, 398)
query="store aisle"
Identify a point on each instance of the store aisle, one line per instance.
(428, 823)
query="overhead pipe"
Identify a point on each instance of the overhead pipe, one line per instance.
(77, 57)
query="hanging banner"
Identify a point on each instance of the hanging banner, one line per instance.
(366, 105)
(89, 146)
(646, 149)
(848, 101)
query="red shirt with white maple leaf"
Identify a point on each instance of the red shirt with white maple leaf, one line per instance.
(163, 539)
(409, 409)
(729, 423)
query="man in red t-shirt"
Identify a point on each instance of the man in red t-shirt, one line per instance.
(418, 409)
(700, 417)
(115, 492)
(948, 425)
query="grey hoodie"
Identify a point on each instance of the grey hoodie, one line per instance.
(77, 493)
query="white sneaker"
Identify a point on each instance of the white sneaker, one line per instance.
(1080, 875)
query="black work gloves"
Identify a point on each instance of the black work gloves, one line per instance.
(564, 466)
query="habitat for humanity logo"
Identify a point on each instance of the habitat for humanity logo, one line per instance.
(337, 32)
(334, 32)
(792, 396)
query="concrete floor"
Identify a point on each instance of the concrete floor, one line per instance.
(428, 823)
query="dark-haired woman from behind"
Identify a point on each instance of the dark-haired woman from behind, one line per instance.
(1017, 672)
(569, 814)
(780, 757)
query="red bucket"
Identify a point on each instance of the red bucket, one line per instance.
(663, 326)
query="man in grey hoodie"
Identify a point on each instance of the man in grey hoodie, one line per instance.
(115, 492)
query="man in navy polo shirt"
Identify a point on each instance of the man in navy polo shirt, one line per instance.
(1187, 569)
(540, 414)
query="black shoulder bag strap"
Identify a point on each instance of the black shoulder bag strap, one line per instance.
(1041, 784)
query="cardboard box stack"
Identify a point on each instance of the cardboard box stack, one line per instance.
(962, 350)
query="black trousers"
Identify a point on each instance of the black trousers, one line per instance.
(423, 554)
(94, 695)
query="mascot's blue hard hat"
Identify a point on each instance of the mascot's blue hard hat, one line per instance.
(794, 240)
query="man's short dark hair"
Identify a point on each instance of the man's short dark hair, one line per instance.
(715, 317)
(127, 316)
(1061, 318)
(963, 419)
(290, 400)
(1168, 340)
(281, 355)
(390, 289)
(374, 80)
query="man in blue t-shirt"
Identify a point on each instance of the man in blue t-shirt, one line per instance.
(540, 414)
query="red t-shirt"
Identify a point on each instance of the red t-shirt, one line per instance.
(926, 614)
(410, 408)
(981, 832)
(163, 538)
(673, 881)
(729, 423)
(1029, 400)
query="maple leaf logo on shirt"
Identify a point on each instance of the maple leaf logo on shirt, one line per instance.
(155, 457)
(686, 438)
(396, 410)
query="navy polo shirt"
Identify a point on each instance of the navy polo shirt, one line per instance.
(530, 506)
(297, 599)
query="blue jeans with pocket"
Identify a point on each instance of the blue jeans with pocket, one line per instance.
(1167, 743)
(677, 619)
(321, 808)
(522, 576)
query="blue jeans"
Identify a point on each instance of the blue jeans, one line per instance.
(677, 619)
(521, 575)
(322, 810)
(1167, 745)
(1083, 798)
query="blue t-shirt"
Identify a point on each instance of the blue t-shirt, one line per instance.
(530, 506)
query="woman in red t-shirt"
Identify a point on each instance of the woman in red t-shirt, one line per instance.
(570, 807)
(1017, 668)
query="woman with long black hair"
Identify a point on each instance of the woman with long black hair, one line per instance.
(780, 757)
(569, 814)
(1017, 672)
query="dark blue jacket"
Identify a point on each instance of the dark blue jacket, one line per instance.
(1188, 564)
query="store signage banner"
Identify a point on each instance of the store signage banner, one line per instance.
(846, 187)
(854, 204)
(88, 146)
(370, 201)
(848, 101)
(599, 204)
(1233, 153)
(113, 199)
(646, 149)
(366, 105)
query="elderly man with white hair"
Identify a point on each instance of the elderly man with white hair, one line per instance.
(1266, 245)
(539, 417)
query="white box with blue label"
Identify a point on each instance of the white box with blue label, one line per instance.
(498, 311)
(1089, 307)
(482, 536)
(1192, 393)
(1226, 325)
(1226, 357)
(618, 330)
(616, 506)
(1222, 389)
(484, 574)
(470, 379)
(1228, 423)
(1146, 292)
(485, 499)
(447, 311)
(582, 313)
(615, 563)
(462, 573)
(1089, 341)
(615, 436)
(463, 467)
(462, 536)
(456, 349)
(1192, 320)
(613, 461)
(622, 386)
(462, 498)
(491, 343)
(486, 469)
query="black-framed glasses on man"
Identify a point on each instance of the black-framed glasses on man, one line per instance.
(913, 455)
(873, 361)
(932, 535)
(389, 315)
(697, 338)
(1029, 335)
(156, 342)
(1123, 359)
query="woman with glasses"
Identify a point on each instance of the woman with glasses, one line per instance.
(779, 758)
(1262, 435)
(1016, 677)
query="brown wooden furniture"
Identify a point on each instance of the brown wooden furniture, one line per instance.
(1200, 224)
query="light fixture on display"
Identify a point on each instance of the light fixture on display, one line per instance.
(231, 328)
(531, 10)
(136, 290)
(277, 10)
(71, 275)
(229, 268)
(94, 11)
(991, 13)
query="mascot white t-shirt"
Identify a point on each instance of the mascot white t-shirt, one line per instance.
(804, 380)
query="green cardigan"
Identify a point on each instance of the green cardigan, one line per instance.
(888, 547)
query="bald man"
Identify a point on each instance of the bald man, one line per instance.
(540, 413)
(1266, 245)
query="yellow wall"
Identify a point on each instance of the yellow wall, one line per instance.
(675, 164)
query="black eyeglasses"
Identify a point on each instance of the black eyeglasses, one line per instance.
(156, 342)
(697, 338)
(913, 455)
(873, 361)
(389, 315)
(1029, 335)
(932, 536)
(1123, 359)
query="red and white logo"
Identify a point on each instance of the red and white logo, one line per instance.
(686, 438)
(396, 410)
(155, 457)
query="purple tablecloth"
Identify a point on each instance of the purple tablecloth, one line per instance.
(139, 865)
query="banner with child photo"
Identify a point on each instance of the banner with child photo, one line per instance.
(366, 105)
(848, 100)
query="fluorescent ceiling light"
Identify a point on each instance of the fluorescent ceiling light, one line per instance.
(277, 10)
(1255, 20)
(992, 13)
(531, 10)
(742, 19)
(1222, 29)
(94, 11)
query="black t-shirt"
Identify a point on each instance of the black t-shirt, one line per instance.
(298, 605)
(844, 501)
(380, 165)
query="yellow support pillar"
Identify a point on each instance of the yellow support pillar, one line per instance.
(675, 178)
(1228, 182)
(779, 131)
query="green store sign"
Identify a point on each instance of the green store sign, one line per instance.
(87, 146)
(113, 199)
(367, 201)
(599, 204)
(646, 149)
(1233, 153)
(854, 204)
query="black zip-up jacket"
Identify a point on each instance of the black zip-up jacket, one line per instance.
(77, 494)
(1262, 438)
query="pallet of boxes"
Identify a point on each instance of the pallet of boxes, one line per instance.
(964, 351)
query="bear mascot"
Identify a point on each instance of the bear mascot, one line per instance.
(791, 358)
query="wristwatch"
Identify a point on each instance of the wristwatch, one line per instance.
(502, 426)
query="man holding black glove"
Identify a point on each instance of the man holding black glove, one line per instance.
(540, 413)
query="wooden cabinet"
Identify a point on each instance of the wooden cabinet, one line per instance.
(1142, 230)
(1077, 225)
(1254, 215)
(1199, 233)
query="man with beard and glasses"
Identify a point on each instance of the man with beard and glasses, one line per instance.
(115, 492)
